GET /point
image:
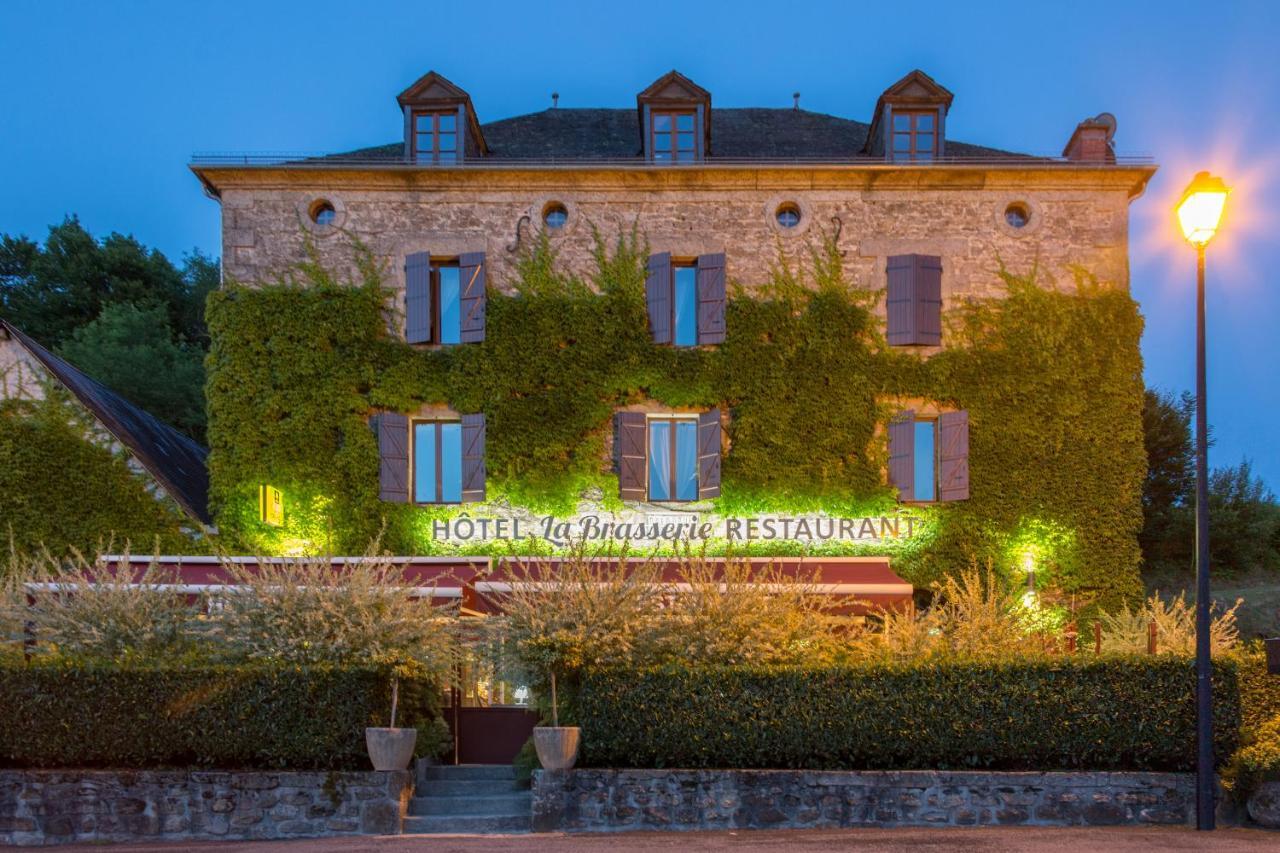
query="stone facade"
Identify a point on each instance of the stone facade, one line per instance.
(1078, 217)
(615, 800)
(41, 807)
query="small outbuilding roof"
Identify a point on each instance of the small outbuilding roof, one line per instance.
(176, 461)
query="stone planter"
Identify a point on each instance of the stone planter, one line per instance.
(390, 749)
(557, 746)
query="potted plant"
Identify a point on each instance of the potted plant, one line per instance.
(391, 748)
(557, 745)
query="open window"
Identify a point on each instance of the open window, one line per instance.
(668, 457)
(445, 298)
(686, 299)
(430, 460)
(929, 456)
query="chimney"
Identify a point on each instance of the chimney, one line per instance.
(1091, 140)
(795, 98)
(555, 100)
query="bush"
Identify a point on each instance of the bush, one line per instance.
(61, 714)
(1258, 759)
(1112, 714)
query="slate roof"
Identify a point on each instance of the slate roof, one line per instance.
(737, 133)
(173, 459)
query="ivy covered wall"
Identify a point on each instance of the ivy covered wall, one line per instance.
(60, 489)
(1051, 378)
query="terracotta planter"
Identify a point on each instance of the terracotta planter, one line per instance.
(557, 746)
(390, 749)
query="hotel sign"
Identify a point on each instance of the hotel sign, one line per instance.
(657, 528)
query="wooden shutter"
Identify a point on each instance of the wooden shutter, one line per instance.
(472, 458)
(902, 455)
(709, 454)
(953, 457)
(392, 430)
(928, 299)
(657, 293)
(417, 298)
(473, 301)
(711, 298)
(914, 300)
(631, 442)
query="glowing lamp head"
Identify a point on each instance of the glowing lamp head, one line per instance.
(1201, 207)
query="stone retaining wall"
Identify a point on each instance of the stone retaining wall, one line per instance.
(611, 800)
(61, 806)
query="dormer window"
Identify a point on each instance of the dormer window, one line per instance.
(915, 135)
(675, 120)
(440, 125)
(435, 137)
(673, 136)
(910, 121)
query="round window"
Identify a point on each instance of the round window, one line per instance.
(555, 215)
(788, 214)
(1017, 215)
(322, 213)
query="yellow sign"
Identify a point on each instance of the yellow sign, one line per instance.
(270, 505)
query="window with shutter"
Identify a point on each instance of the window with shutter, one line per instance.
(929, 457)
(953, 456)
(417, 298)
(392, 431)
(657, 294)
(629, 443)
(914, 300)
(709, 454)
(471, 269)
(711, 299)
(473, 470)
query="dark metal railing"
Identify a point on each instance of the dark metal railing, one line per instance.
(301, 160)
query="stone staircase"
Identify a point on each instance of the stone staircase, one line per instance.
(469, 798)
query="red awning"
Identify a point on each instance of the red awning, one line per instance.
(867, 584)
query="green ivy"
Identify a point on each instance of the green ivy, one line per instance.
(1051, 378)
(60, 490)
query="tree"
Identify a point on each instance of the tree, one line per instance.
(1244, 521)
(1169, 487)
(130, 349)
(50, 291)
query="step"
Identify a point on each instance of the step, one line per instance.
(469, 787)
(467, 824)
(465, 772)
(494, 804)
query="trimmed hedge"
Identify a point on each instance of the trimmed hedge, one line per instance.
(68, 715)
(1113, 714)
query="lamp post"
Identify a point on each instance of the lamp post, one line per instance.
(1199, 213)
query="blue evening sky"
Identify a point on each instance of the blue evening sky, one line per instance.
(103, 103)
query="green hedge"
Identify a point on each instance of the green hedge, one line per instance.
(1113, 714)
(65, 715)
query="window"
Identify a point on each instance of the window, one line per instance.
(1017, 215)
(555, 215)
(437, 462)
(684, 306)
(929, 456)
(925, 437)
(323, 213)
(673, 459)
(686, 300)
(915, 135)
(673, 138)
(435, 137)
(788, 214)
(444, 298)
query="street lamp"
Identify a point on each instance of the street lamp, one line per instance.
(1199, 213)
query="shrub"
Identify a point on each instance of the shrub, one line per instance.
(61, 714)
(1125, 632)
(1110, 714)
(1257, 761)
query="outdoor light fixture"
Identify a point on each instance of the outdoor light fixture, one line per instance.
(1199, 213)
(1201, 207)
